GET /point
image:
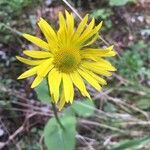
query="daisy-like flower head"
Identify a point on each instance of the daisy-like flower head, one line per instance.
(66, 59)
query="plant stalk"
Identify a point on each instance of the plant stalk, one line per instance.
(56, 116)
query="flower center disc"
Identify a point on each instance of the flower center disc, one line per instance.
(67, 61)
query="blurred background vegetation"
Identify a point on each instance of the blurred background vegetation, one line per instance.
(121, 116)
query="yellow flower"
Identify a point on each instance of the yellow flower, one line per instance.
(66, 58)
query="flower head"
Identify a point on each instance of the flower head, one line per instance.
(66, 58)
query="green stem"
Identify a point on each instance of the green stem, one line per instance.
(56, 116)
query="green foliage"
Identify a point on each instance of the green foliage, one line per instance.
(137, 94)
(144, 103)
(102, 13)
(132, 144)
(132, 62)
(57, 138)
(139, 45)
(31, 141)
(42, 92)
(10, 13)
(119, 2)
(13, 8)
(144, 51)
(84, 108)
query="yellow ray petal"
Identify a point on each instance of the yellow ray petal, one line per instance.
(62, 32)
(42, 71)
(103, 64)
(89, 79)
(54, 80)
(78, 82)
(87, 30)
(37, 54)
(106, 52)
(89, 57)
(99, 62)
(62, 22)
(62, 39)
(62, 101)
(45, 67)
(70, 28)
(99, 79)
(37, 41)
(98, 55)
(47, 30)
(49, 33)
(28, 73)
(96, 69)
(68, 87)
(95, 51)
(30, 62)
(36, 81)
(70, 23)
(81, 26)
(85, 37)
(92, 40)
(110, 54)
(98, 27)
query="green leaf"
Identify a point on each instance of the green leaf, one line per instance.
(132, 144)
(118, 2)
(56, 138)
(42, 92)
(144, 103)
(84, 108)
(101, 13)
(69, 111)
